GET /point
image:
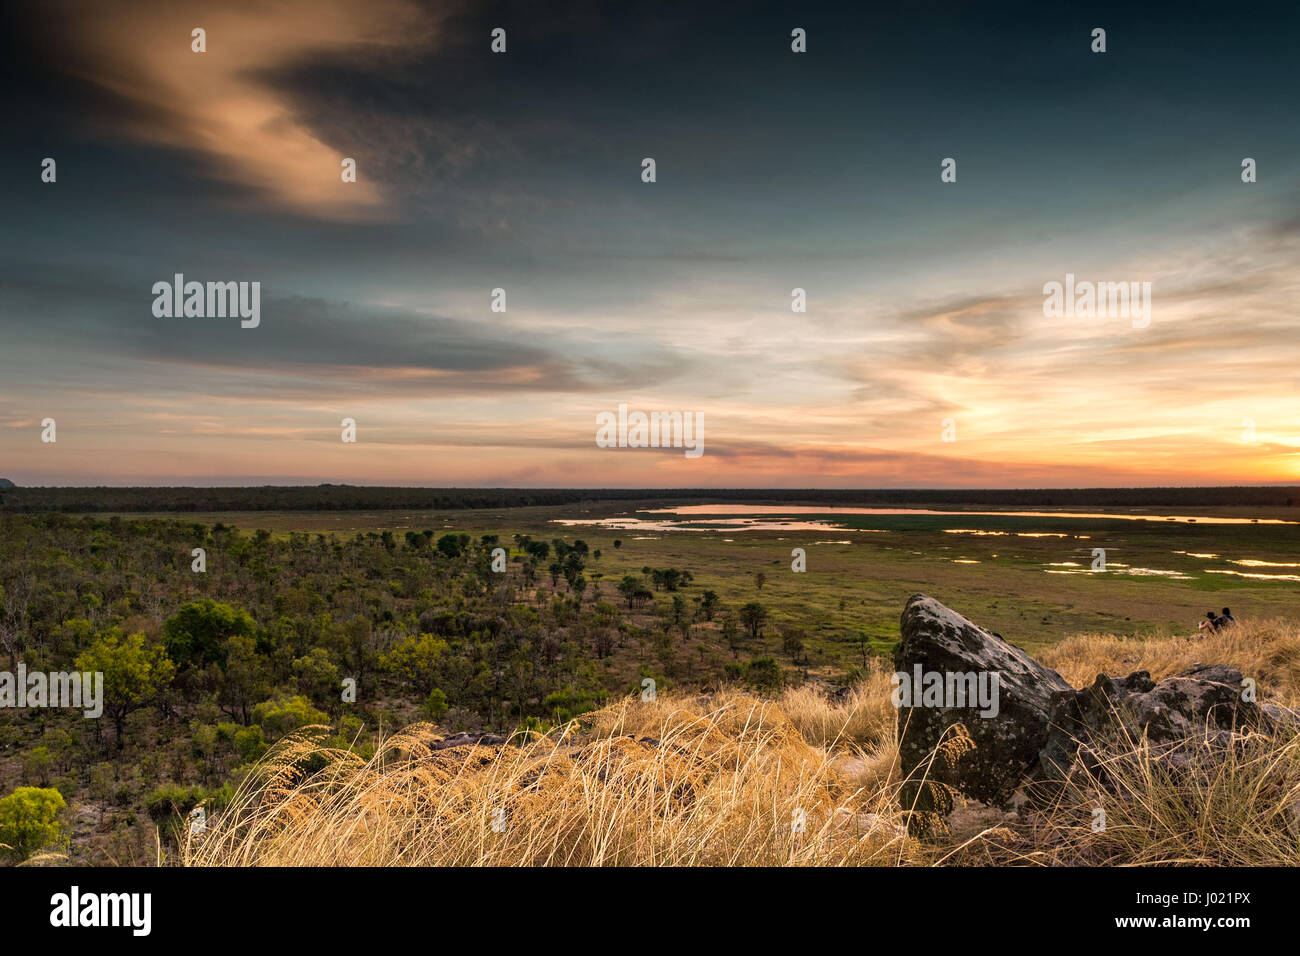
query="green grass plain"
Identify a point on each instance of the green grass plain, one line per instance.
(1001, 579)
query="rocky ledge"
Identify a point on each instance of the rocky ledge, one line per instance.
(1026, 730)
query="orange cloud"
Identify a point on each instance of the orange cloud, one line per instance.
(222, 103)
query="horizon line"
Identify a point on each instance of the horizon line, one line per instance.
(666, 488)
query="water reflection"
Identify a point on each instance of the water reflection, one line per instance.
(725, 509)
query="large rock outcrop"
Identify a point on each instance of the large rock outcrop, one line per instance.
(980, 754)
(1036, 729)
(1194, 715)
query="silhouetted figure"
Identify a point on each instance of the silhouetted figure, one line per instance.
(1217, 622)
(1224, 620)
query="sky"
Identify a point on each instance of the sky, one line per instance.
(925, 356)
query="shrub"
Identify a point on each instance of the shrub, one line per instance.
(249, 743)
(279, 716)
(435, 705)
(30, 818)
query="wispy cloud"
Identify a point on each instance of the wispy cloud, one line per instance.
(229, 105)
(522, 171)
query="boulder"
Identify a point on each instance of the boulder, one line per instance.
(1041, 728)
(1193, 715)
(980, 754)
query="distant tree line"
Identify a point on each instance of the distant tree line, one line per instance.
(354, 497)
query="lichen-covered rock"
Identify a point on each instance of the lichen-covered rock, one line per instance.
(993, 754)
(1193, 715)
(1042, 729)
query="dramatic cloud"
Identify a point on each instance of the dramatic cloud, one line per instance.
(224, 104)
(521, 171)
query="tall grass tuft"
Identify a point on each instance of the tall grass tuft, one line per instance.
(1267, 650)
(804, 780)
(722, 781)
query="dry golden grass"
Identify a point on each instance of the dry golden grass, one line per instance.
(1240, 809)
(721, 780)
(1268, 651)
(677, 782)
(863, 715)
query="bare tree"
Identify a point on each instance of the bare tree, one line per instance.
(15, 598)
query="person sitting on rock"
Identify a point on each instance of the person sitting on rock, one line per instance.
(1210, 623)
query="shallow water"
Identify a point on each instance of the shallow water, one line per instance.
(1255, 577)
(1059, 567)
(1007, 534)
(725, 509)
(716, 524)
(744, 518)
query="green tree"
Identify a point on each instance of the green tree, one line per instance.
(417, 658)
(453, 545)
(629, 587)
(709, 604)
(318, 675)
(435, 705)
(753, 615)
(73, 634)
(37, 765)
(679, 608)
(245, 678)
(30, 818)
(573, 566)
(792, 642)
(196, 635)
(134, 670)
(863, 640)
